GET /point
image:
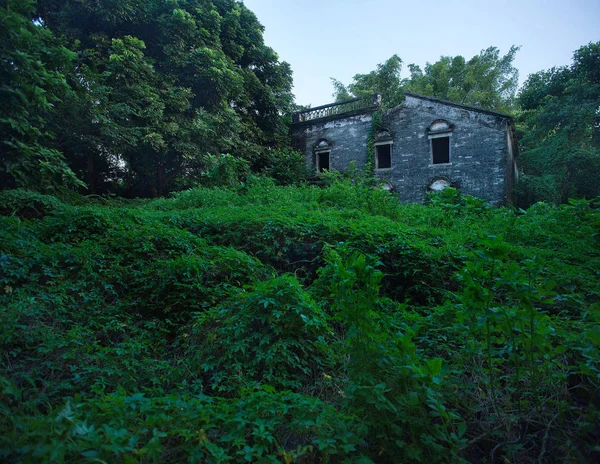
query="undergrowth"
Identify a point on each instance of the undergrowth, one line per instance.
(298, 324)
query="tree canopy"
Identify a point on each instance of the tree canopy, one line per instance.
(384, 80)
(146, 88)
(488, 80)
(560, 130)
(32, 82)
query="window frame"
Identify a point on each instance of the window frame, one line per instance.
(317, 154)
(379, 144)
(439, 135)
(442, 180)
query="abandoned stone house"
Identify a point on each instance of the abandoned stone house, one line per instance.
(423, 144)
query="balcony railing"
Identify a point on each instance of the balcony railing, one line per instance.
(371, 102)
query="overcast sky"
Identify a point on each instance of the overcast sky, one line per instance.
(340, 38)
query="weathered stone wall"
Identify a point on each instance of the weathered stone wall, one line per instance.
(478, 150)
(481, 157)
(347, 136)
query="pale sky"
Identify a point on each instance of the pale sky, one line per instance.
(340, 38)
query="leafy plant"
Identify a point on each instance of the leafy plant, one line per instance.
(396, 392)
(274, 335)
(33, 81)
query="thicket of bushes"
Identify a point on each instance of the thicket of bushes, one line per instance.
(293, 324)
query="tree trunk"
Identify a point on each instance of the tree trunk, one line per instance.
(91, 175)
(160, 180)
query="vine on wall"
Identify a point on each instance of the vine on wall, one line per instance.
(376, 126)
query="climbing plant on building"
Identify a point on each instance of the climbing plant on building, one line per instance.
(376, 126)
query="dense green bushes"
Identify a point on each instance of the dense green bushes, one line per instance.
(297, 324)
(275, 335)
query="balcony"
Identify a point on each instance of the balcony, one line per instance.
(354, 106)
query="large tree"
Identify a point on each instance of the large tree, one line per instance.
(159, 84)
(384, 80)
(560, 130)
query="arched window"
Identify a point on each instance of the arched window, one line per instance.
(322, 150)
(387, 186)
(439, 134)
(383, 142)
(439, 183)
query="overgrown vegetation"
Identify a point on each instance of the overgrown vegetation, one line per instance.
(287, 324)
(560, 130)
(250, 320)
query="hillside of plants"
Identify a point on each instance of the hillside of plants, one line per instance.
(177, 286)
(298, 324)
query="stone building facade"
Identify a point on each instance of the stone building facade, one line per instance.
(423, 144)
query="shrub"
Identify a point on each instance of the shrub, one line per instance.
(453, 201)
(224, 171)
(287, 166)
(275, 335)
(397, 394)
(27, 204)
(127, 427)
(173, 329)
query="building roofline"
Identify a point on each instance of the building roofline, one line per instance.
(459, 105)
(337, 109)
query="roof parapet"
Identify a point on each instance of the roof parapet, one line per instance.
(458, 105)
(355, 105)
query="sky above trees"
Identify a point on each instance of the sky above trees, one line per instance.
(341, 38)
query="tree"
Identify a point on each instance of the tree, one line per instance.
(385, 80)
(560, 125)
(32, 82)
(159, 84)
(487, 80)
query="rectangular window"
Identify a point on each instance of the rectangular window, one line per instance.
(323, 161)
(440, 150)
(383, 156)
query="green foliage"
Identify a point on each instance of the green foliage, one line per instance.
(27, 204)
(395, 391)
(512, 317)
(286, 166)
(275, 335)
(561, 137)
(261, 425)
(455, 203)
(487, 80)
(279, 323)
(224, 171)
(385, 80)
(32, 72)
(135, 94)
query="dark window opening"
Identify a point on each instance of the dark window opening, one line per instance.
(383, 156)
(440, 148)
(323, 161)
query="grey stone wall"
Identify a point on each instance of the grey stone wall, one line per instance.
(481, 158)
(347, 136)
(478, 150)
